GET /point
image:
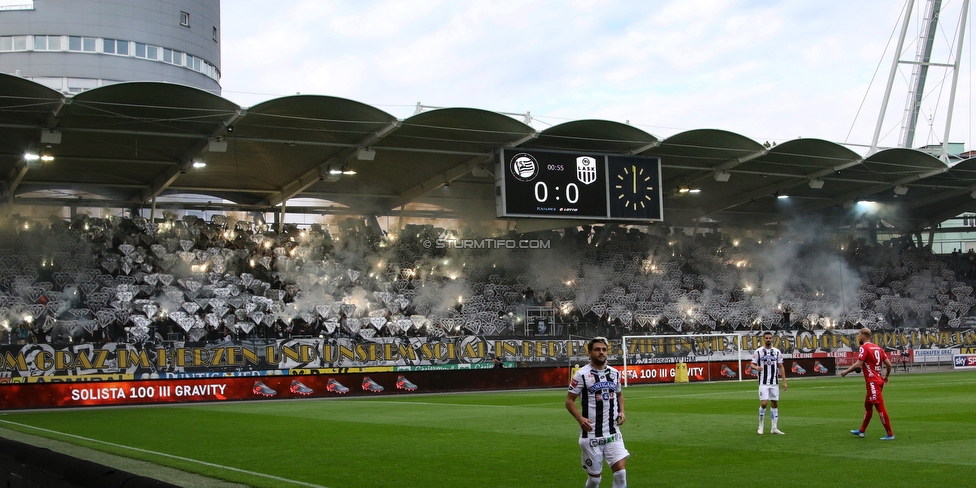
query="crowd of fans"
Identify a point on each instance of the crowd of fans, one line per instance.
(129, 279)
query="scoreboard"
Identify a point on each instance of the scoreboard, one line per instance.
(578, 185)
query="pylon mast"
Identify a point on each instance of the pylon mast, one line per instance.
(921, 63)
(922, 58)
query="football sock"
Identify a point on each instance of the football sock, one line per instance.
(592, 482)
(868, 413)
(883, 414)
(775, 417)
(762, 415)
(620, 479)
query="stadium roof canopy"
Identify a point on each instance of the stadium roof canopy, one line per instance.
(128, 143)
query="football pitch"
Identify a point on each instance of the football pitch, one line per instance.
(693, 435)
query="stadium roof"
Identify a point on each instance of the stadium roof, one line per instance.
(126, 143)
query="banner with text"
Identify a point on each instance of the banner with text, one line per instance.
(125, 361)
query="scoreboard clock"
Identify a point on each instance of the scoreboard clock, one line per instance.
(571, 185)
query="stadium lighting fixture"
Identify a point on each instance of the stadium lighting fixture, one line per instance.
(218, 144)
(365, 154)
(31, 157)
(199, 163)
(50, 136)
(47, 157)
(346, 170)
(335, 170)
(694, 190)
(683, 189)
(782, 197)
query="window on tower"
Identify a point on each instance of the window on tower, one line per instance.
(85, 44)
(47, 43)
(115, 46)
(13, 43)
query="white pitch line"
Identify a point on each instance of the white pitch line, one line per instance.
(435, 403)
(163, 454)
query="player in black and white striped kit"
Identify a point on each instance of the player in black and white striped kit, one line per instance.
(602, 401)
(767, 361)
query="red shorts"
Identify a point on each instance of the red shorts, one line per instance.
(874, 393)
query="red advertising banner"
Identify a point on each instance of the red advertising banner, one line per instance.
(665, 373)
(844, 359)
(104, 393)
(817, 366)
(726, 370)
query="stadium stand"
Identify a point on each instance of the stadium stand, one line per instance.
(122, 279)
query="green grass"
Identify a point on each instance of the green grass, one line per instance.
(678, 435)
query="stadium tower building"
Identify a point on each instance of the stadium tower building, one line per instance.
(72, 46)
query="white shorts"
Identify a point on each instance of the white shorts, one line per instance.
(595, 450)
(769, 392)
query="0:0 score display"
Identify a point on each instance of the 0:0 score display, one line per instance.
(551, 184)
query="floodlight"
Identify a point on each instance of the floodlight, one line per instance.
(50, 136)
(365, 154)
(217, 145)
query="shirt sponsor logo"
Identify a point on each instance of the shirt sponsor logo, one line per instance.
(603, 385)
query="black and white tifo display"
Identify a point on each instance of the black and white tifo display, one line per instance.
(578, 185)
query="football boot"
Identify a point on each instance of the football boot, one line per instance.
(405, 384)
(335, 387)
(263, 389)
(299, 388)
(371, 386)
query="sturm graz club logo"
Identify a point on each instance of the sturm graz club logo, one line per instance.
(524, 167)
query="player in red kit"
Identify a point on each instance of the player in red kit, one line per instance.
(869, 359)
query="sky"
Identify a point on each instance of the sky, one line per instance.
(770, 70)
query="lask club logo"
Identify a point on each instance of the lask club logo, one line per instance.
(586, 169)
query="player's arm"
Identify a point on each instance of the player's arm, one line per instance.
(584, 423)
(782, 374)
(857, 364)
(888, 368)
(754, 365)
(620, 406)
